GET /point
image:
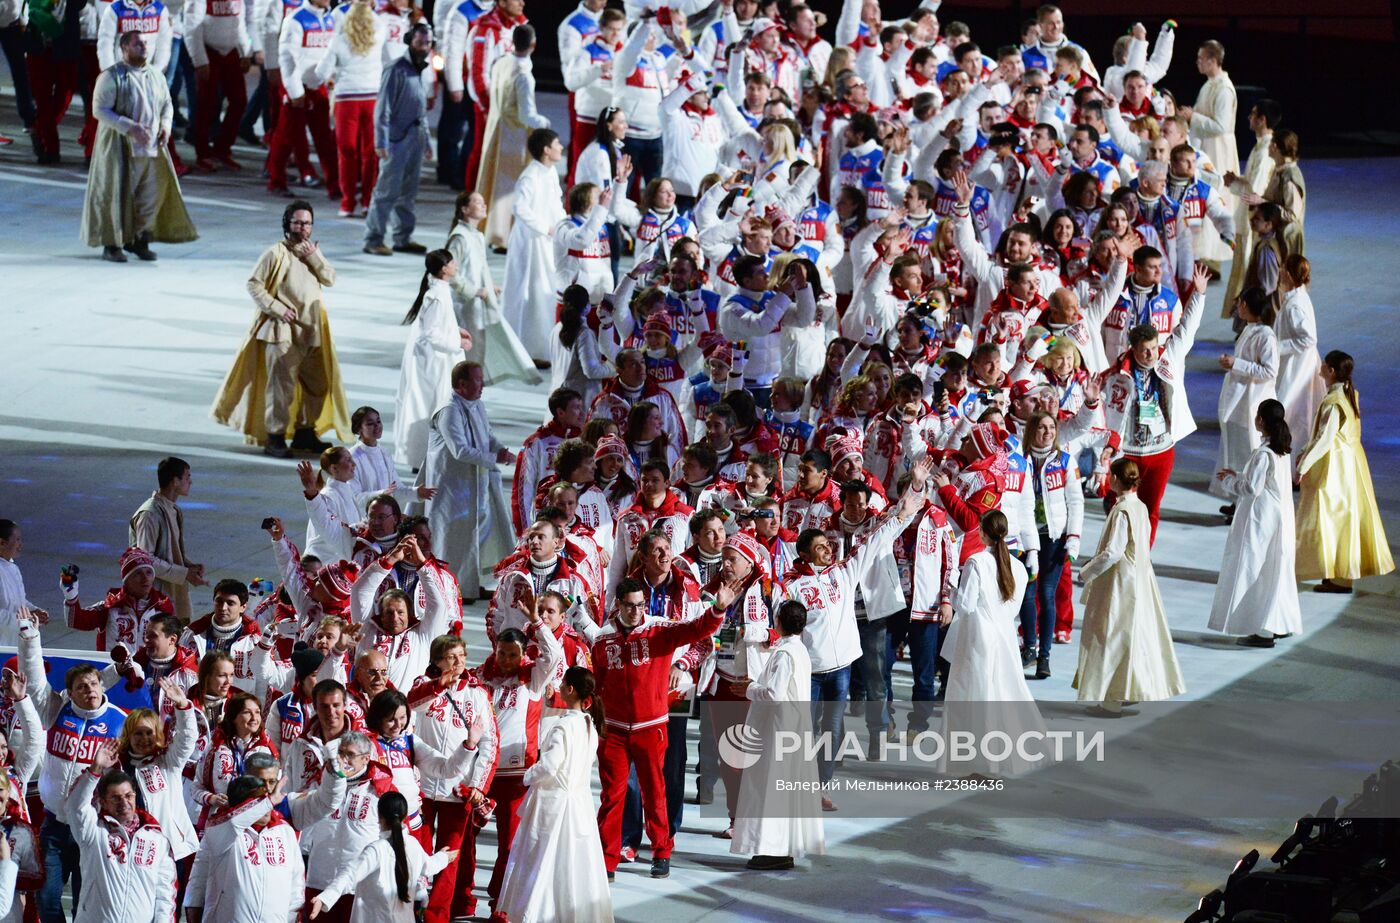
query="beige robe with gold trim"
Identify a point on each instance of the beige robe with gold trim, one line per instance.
(503, 152)
(1213, 127)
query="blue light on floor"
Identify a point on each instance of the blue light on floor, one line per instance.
(90, 546)
(19, 481)
(198, 506)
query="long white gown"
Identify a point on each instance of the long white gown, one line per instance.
(986, 680)
(469, 514)
(555, 870)
(1247, 384)
(425, 375)
(528, 295)
(1258, 588)
(494, 344)
(769, 822)
(371, 879)
(1299, 388)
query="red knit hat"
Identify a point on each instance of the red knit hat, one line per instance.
(988, 437)
(134, 559)
(847, 445)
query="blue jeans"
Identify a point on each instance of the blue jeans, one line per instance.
(646, 154)
(830, 690)
(874, 638)
(179, 72)
(673, 771)
(1039, 626)
(60, 852)
(923, 658)
(454, 137)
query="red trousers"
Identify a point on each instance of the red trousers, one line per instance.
(88, 69)
(451, 895)
(509, 792)
(53, 81)
(583, 134)
(1155, 471)
(338, 914)
(1064, 600)
(354, 140)
(292, 122)
(617, 754)
(478, 139)
(226, 77)
(721, 720)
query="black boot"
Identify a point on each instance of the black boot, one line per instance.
(141, 249)
(1042, 668)
(304, 440)
(113, 255)
(277, 446)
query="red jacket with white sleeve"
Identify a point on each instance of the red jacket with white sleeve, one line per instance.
(488, 39)
(118, 619)
(518, 699)
(407, 650)
(935, 565)
(518, 578)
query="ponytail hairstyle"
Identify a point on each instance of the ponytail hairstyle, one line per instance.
(1342, 366)
(433, 265)
(329, 457)
(575, 300)
(583, 683)
(604, 137)
(393, 809)
(1276, 433)
(994, 528)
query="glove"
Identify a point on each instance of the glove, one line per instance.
(269, 636)
(1032, 564)
(741, 361)
(1037, 348)
(68, 582)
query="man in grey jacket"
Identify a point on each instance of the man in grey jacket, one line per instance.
(401, 141)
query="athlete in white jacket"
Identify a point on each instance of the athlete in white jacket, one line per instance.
(252, 866)
(128, 872)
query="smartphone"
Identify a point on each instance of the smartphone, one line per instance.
(268, 523)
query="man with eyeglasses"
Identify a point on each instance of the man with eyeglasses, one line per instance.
(288, 359)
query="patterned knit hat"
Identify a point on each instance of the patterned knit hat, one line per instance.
(336, 580)
(134, 559)
(610, 445)
(748, 546)
(846, 446)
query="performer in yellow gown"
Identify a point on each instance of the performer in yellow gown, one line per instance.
(1340, 535)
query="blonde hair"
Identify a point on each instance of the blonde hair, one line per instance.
(1148, 124)
(841, 59)
(359, 27)
(778, 139)
(134, 718)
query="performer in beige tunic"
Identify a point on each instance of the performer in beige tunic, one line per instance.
(1213, 128)
(133, 196)
(1255, 179)
(287, 369)
(158, 528)
(513, 117)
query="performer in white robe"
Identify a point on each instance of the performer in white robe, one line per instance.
(477, 304)
(777, 825)
(513, 118)
(1249, 380)
(469, 514)
(1125, 644)
(1213, 129)
(528, 297)
(1257, 593)
(556, 870)
(986, 683)
(371, 877)
(435, 344)
(1299, 387)
(1258, 170)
